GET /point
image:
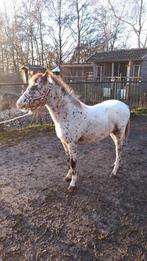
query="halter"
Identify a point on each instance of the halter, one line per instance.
(41, 98)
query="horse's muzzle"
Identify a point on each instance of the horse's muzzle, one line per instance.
(22, 104)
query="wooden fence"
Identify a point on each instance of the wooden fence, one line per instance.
(133, 93)
(12, 88)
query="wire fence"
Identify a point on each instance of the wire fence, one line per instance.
(133, 93)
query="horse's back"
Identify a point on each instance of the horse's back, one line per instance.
(118, 107)
(108, 115)
(117, 111)
(109, 107)
(113, 104)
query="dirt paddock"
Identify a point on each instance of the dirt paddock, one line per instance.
(105, 219)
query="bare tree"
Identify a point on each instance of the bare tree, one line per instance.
(109, 30)
(25, 36)
(2, 44)
(134, 18)
(58, 32)
(51, 32)
(32, 30)
(10, 46)
(80, 25)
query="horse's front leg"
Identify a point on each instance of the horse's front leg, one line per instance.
(72, 149)
(68, 177)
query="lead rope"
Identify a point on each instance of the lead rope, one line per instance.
(26, 114)
(15, 118)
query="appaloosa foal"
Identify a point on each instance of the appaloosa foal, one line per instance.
(76, 122)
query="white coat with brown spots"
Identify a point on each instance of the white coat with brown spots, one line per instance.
(76, 122)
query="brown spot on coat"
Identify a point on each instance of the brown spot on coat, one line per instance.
(81, 139)
(116, 130)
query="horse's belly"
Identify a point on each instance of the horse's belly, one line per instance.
(93, 137)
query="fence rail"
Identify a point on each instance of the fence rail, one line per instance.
(12, 88)
(133, 93)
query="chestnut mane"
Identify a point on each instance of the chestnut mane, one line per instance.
(58, 80)
(35, 77)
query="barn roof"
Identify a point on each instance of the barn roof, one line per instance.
(76, 65)
(33, 67)
(56, 70)
(119, 55)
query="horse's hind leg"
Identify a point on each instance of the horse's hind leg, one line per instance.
(118, 141)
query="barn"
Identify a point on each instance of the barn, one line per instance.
(129, 64)
(29, 70)
(77, 72)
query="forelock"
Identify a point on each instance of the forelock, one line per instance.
(35, 78)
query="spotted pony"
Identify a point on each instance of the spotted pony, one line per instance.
(76, 122)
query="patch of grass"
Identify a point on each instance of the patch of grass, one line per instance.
(139, 111)
(13, 136)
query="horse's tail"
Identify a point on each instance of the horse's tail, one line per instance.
(127, 130)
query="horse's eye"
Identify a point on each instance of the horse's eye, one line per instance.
(33, 88)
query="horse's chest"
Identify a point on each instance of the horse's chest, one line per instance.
(65, 131)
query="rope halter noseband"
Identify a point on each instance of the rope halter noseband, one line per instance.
(36, 101)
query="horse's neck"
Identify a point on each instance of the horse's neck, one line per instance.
(58, 105)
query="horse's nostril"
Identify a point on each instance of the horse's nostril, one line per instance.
(17, 103)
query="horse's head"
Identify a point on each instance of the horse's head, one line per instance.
(36, 93)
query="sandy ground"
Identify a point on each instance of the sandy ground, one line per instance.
(105, 219)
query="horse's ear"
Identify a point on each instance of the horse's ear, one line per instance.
(46, 74)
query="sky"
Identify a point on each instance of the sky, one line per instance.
(8, 5)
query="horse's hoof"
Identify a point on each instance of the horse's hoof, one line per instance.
(71, 189)
(67, 179)
(113, 174)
